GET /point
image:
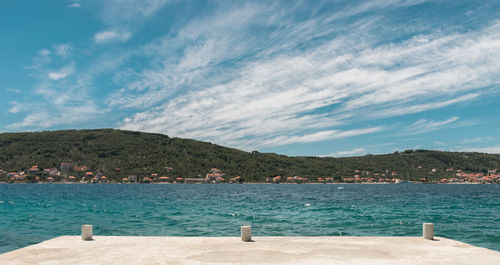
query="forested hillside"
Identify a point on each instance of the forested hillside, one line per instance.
(141, 154)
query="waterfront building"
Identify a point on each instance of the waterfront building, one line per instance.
(72, 178)
(132, 178)
(18, 177)
(215, 175)
(163, 179)
(277, 179)
(237, 179)
(219, 179)
(80, 168)
(34, 169)
(194, 180)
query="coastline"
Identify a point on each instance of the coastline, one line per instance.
(261, 183)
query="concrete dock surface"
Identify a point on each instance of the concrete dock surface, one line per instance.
(263, 250)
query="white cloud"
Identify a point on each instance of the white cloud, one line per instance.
(400, 109)
(62, 73)
(60, 97)
(62, 50)
(283, 94)
(60, 102)
(424, 125)
(351, 152)
(43, 52)
(13, 90)
(440, 143)
(125, 13)
(302, 81)
(74, 5)
(16, 107)
(489, 149)
(66, 115)
(477, 140)
(111, 36)
(316, 136)
(355, 151)
(41, 60)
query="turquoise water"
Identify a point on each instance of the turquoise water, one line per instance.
(31, 213)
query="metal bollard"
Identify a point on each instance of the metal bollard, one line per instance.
(428, 231)
(86, 232)
(246, 233)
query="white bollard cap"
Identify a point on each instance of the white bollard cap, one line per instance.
(87, 232)
(246, 233)
(428, 231)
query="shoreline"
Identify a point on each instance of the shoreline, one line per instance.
(260, 183)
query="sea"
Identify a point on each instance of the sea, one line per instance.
(32, 213)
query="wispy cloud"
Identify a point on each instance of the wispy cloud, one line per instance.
(287, 92)
(256, 75)
(45, 119)
(13, 90)
(477, 140)
(62, 50)
(74, 5)
(355, 151)
(441, 143)
(43, 58)
(43, 52)
(60, 97)
(391, 110)
(126, 13)
(423, 125)
(315, 137)
(489, 149)
(124, 17)
(62, 73)
(16, 107)
(111, 36)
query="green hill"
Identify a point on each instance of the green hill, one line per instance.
(145, 153)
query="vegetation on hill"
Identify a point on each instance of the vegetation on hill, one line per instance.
(141, 154)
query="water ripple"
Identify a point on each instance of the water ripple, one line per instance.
(33, 213)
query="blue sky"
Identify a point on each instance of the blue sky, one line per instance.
(322, 78)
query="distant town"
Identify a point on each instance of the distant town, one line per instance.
(68, 173)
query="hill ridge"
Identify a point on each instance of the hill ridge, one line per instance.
(142, 154)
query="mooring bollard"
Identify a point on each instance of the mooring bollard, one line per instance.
(246, 233)
(428, 232)
(87, 232)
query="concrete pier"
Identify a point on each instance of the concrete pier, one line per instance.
(265, 250)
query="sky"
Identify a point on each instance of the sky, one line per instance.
(300, 78)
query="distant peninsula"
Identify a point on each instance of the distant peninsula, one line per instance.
(110, 155)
